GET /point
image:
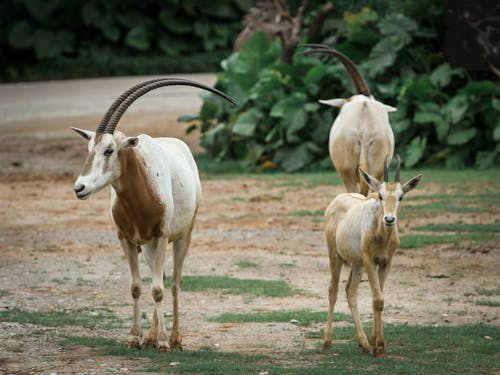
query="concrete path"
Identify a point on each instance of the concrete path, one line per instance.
(24, 105)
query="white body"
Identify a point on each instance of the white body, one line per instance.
(173, 174)
(155, 196)
(362, 233)
(361, 136)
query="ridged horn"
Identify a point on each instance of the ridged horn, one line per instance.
(398, 168)
(118, 101)
(386, 173)
(147, 87)
(357, 78)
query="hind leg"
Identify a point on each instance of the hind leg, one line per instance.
(180, 250)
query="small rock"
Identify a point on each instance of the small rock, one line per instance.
(294, 321)
(488, 337)
(172, 364)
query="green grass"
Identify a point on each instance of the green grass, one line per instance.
(303, 317)
(488, 292)
(416, 241)
(488, 303)
(87, 318)
(246, 264)
(410, 350)
(316, 213)
(5, 293)
(232, 285)
(459, 227)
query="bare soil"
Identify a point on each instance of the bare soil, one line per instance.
(59, 253)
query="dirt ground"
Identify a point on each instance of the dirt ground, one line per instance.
(59, 253)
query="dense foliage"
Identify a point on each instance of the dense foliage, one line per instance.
(444, 117)
(79, 38)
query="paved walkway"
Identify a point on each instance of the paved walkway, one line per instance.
(23, 105)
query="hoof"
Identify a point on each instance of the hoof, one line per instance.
(379, 351)
(149, 343)
(366, 348)
(327, 344)
(176, 346)
(163, 347)
(134, 342)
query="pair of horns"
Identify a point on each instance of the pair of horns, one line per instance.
(357, 78)
(396, 174)
(119, 106)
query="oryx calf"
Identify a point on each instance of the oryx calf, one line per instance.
(361, 135)
(155, 194)
(362, 233)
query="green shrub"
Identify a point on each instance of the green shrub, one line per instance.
(443, 118)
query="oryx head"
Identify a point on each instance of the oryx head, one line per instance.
(102, 166)
(390, 194)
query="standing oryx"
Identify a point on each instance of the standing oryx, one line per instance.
(155, 194)
(362, 233)
(361, 135)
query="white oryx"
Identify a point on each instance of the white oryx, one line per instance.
(362, 233)
(155, 194)
(361, 135)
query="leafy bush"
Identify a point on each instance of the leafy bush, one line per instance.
(443, 117)
(88, 38)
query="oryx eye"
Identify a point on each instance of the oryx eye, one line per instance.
(400, 198)
(380, 196)
(108, 152)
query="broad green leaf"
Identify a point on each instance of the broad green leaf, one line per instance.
(138, 38)
(441, 76)
(295, 121)
(360, 26)
(495, 103)
(397, 24)
(315, 74)
(381, 57)
(485, 159)
(496, 133)
(415, 151)
(456, 108)
(246, 123)
(294, 158)
(41, 10)
(461, 137)
(21, 35)
(427, 117)
(188, 118)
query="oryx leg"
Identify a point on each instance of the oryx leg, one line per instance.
(383, 271)
(335, 268)
(352, 299)
(377, 337)
(131, 253)
(156, 253)
(181, 247)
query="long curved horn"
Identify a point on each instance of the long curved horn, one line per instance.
(386, 173)
(137, 93)
(398, 168)
(357, 78)
(118, 101)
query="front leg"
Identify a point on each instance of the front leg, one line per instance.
(156, 252)
(377, 337)
(131, 253)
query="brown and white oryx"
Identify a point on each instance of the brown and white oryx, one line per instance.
(155, 194)
(362, 233)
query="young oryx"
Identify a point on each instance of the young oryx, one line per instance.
(361, 135)
(155, 194)
(362, 232)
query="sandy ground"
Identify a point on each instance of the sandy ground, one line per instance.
(58, 253)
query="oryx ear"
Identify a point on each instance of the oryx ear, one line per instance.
(129, 142)
(85, 134)
(370, 180)
(412, 184)
(388, 108)
(339, 102)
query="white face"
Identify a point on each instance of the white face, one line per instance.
(390, 195)
(102, 166)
